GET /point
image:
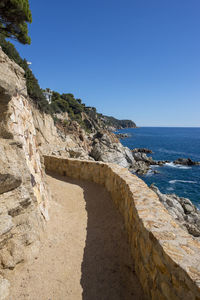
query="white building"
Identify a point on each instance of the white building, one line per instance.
(48, 95)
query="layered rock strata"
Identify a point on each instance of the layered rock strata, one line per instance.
(23, 194)
(165, 255)
(25, 135)
(107, 148)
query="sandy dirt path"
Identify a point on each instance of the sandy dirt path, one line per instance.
(84, 253)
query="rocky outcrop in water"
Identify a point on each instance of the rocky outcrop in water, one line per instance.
(122, 135)
(186, 162)
(139, 156)
(26, 135)
(182, 210)
(144, 162)
(142, 150)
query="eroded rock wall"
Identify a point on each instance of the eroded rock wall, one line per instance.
(21, 125)
(23, 193)
(56, 139)
(166, 258)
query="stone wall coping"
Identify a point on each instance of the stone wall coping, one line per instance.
(174, 250)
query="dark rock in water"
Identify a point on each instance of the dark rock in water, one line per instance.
(186, 162)
(143, 162)
(122, 135)
(9, 182)
(139, 167)
(141, 150)
(143, 157)
(182, 210)
(155, 172)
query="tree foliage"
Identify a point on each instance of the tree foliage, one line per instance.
(67, 103)
(111, 121)
(14, 16)
(33, 88)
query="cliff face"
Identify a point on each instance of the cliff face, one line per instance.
(26, 135)
(23, 194)
(70, 141)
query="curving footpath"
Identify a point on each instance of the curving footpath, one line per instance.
(166, 258)
(84, 253)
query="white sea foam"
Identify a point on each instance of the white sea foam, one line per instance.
(172, 165)
(152, 171)
(155, 166)
(170, 189)
(198, 206)
(149, 173)
(184, 181)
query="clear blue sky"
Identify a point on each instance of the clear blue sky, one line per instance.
(136, 60)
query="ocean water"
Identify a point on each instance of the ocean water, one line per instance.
(170, 144)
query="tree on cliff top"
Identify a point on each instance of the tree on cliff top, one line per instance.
(14, 16)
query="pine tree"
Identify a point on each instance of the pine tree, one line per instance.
(14, 16)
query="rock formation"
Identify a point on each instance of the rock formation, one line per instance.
(65, 141)
(186, 162)
(26, 135)
(122, 135)
(107, 148)
(182, 210)
(142, 150)
(23, 194)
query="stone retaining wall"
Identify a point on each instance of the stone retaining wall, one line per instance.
(166, 257)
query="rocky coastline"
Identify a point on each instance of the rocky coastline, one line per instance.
(137, 160)
(186, 162)
(182, 210)
(103, 145)
(23, 144)
(26, 135)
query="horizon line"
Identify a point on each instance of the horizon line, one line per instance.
(168, 126)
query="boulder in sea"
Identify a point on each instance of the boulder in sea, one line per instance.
(122, 135)
(139, 156)
(141, 150)
(186, 162)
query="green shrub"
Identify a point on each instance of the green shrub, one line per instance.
(33, 88)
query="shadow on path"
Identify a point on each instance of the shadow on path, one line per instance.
(107, 267)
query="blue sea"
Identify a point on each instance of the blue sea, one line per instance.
(170, 144)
